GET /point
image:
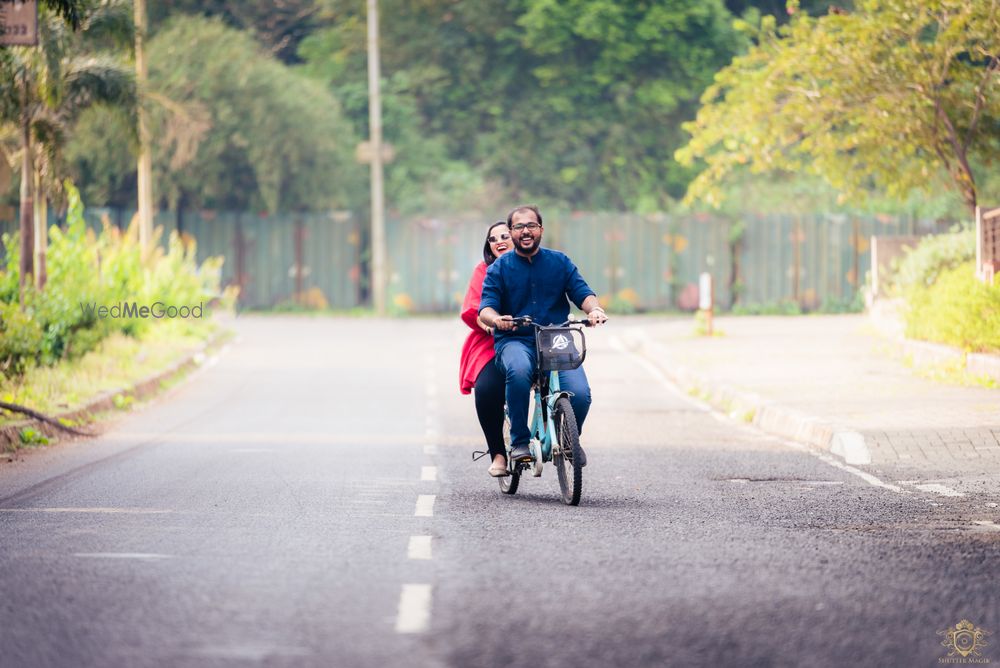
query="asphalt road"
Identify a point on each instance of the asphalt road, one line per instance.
(309, 499)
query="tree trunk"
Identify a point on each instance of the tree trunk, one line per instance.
(27, 208)
(41, 232)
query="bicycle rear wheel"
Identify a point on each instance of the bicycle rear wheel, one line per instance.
(567, 461)
(508, 484)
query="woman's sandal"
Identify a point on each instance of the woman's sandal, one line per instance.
(498, 471)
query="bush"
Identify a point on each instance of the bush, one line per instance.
(956, 309)
(784, 307)
(89, 269)
(933, 255)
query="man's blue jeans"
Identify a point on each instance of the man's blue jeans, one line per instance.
(516, 358)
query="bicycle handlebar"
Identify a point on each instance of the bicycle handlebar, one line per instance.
(525, 321)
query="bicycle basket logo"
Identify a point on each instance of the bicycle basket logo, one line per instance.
(964, 640)
(560, 342)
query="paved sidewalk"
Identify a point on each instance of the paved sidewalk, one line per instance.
(833, 382)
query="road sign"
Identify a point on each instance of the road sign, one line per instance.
(18, 22)
(364, 154)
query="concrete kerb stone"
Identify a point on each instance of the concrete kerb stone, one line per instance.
(10, 434)
(886, 316)
(769, 416)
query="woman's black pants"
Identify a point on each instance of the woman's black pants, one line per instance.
(490, 389)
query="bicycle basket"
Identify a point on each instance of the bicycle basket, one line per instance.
(560, 348)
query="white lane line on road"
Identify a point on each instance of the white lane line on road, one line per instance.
(122, 555)
(937, 488)
(429, 473)
(425, 505)
(832, 461)
(414, 614)
(618, 346)
(430, 449)
(108, 511)
(419, 547)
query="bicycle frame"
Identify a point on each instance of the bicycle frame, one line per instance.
(546, 392)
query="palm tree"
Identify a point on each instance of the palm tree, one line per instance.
(43, 89)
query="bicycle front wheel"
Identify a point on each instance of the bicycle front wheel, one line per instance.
(567, 460)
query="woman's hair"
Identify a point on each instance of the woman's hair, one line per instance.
(488, 255)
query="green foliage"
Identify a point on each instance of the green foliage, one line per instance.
(101, 157)
(232, 129)
(888, 97)
(922, 266)
(278, 26)
(100, 270)
(786, 307)
(20, 338)
(578, 102)
(957, 309)
(238, 130)
(123, 401)
(853, 305)
(30, 436)
(50, 85)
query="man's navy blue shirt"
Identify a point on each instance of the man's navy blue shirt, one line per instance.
(540, 287)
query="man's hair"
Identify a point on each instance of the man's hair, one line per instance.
(523, 208)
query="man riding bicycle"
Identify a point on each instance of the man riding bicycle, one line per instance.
(540, 283)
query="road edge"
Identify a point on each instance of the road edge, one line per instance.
(740, 404)
(10, 434)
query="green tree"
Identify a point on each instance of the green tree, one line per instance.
(279, 25)
(236, 129)
(576, 101)
(887, 97)
(43, 89)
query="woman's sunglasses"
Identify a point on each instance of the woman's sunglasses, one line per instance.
(502, 237)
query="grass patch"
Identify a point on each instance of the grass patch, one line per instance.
(118, 361)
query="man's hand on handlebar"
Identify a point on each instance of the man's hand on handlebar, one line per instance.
(597, 316)
(504, 323)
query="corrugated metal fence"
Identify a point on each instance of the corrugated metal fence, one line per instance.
(642, 262)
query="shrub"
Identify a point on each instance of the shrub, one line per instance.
(956, 309)
(85, 268)
(933, 255)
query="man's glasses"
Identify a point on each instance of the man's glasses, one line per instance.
(502, 237)
(525, 226)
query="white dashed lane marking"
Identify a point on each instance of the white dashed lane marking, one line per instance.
(425, 505)
(428, 473)
(414, 614)
(419, 547)
(937, 488)
(122, 555)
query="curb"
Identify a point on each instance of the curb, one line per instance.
(767, 415)
(10, 434)
(885, 316)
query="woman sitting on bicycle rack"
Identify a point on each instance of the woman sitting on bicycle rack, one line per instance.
(476, 368)
(540, 283)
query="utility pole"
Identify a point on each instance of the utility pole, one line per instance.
(375, 138)
(145, 167)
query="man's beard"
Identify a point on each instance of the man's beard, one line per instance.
(530, 249)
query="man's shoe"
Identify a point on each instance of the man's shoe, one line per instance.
(583, 457)
(521, 453)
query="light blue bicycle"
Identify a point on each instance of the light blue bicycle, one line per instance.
(554, 434)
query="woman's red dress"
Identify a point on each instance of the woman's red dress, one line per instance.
(477, 351)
